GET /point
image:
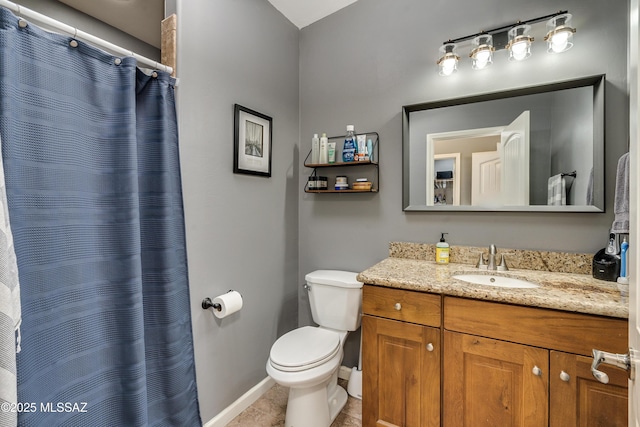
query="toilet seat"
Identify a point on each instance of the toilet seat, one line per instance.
(304, 348)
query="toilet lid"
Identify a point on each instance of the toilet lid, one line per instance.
(304, 348)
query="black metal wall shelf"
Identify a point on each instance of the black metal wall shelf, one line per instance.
(358, 165)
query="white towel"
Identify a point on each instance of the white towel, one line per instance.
(10, 311)
(621, 200)
(556, 191)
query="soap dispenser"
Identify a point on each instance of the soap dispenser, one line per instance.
(442, 251)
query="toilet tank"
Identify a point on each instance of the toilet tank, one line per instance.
(335, 298)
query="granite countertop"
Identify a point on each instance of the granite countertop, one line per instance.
(558, 290)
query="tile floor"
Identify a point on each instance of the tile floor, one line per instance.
(269, 410)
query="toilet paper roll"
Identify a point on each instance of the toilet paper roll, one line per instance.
(229, 304)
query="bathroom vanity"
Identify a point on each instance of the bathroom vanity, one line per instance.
(441, 352)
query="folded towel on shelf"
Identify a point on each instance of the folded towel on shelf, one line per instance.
(556, 191)
(621, 200)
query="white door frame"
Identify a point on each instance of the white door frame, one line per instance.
(432, 138)
(634, 206)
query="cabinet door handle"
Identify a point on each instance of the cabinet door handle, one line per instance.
(537, 371)
(564, 376)
(398, 306)
(430, 347)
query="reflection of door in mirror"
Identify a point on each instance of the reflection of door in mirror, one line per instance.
(446, 182)
(461, 145)
(514, 152)
(486, 177)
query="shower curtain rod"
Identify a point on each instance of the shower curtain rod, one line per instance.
(24, 12)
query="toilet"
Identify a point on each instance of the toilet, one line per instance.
(307, 359)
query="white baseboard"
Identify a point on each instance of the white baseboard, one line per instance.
(242, 403)
(247, 399)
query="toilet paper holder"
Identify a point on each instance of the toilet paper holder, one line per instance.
(208, 303)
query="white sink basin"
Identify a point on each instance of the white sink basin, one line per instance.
(495, 280)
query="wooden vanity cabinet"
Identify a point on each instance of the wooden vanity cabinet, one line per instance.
(490, 364)
(578, 399)
(491, 383)
(507, 365)
(401, 352)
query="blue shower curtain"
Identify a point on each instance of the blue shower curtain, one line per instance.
(90, 150)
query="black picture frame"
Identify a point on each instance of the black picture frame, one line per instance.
(252, 142)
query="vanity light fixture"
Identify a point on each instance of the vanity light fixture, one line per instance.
(559, 36)
(519, 45)
(515, 38)
(482, 54)
(448, 62)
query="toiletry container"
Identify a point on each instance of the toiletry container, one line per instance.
(349, 148)
(442, 251)
(624, 265)
(315, 149)
(324, 149)
(312, 183)
(605, 266)
(360, 147)
(332, 152)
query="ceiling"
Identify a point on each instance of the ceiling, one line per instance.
(141, 18)
(306, 12)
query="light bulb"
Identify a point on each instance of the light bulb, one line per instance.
(483, 51)
(448, 62)
(448, 66)
(519, 43)
(559, 41)
(483, 56)
(482, 59)
(519, 50)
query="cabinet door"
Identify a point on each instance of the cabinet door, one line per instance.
(489, 383)
(401, 374)
(578, 399)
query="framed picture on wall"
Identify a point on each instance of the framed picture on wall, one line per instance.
(252, 138)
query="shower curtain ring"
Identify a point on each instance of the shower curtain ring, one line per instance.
(22, 23)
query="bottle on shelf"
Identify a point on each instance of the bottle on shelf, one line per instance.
(349, 148)
(315, 149)
(324, 149)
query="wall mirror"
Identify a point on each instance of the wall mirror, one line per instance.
(537, 148)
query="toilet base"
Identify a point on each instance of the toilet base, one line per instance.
(315, 406)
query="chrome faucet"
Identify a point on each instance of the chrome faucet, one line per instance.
(492, 258)
(492, 263)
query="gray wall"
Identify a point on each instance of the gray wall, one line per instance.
(362, 64)
(242, 231)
